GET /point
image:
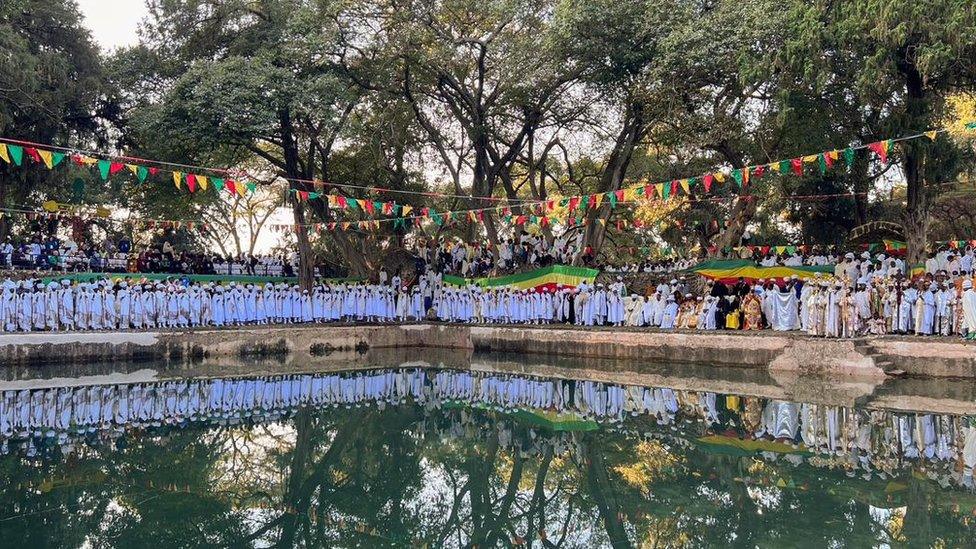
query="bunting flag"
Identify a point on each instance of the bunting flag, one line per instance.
(797, 165)
(881, 148)
(16, 154)
(13, 153)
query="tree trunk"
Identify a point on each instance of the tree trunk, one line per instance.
(306, 261)
(613, 177)
(913, 152)
(742, 212)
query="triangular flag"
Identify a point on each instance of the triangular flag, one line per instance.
(250, 186)
(720, 177)
(880, 148)
(759, 171)
(103, 168)
(32, 152)
(932, 134)
(133, 168)
(3, 153)
(707, 181)
(177, 179)
(191, 182)
(849, 156)
(202, 180)
(660, 189)
(685, 186)
(141, 174)
(231, 186)
(822, 162)
(737, 175)
(783, 167)
(47, 157)
(16, 154)
(218, 184)
(797, 164)
(115, 168)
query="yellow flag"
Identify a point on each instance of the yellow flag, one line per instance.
(834, 155)
(88, 161)
(602, 222)
(241, 188)
(720, 177)
(203, 180)
(407, 210)
(599, 199)
(177, 178)
(3, 153)
(685, 186)
(47, 157)
(932, 134)
(133, 168)
(811, 158)
(660, 189)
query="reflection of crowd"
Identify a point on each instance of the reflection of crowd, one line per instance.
(870, 440)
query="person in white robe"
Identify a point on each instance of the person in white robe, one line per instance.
(968, 327)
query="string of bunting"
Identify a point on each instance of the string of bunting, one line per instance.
(530, 211)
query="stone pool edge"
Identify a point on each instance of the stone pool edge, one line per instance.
(873, 357)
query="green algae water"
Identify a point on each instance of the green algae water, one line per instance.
(484, 453)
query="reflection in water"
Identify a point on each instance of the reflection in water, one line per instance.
(438, 457)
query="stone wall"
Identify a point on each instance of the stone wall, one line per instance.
(769, 352)
(301, 343)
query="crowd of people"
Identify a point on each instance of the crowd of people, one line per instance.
(864, 294)
(52, 254)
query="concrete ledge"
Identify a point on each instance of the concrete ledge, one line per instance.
(770, 352)
(285, 343)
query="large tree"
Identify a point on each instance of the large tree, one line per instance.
(240, 81)
(53, 89)
(903, 59)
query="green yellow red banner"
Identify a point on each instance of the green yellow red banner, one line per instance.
(547, 277)
(732, 270)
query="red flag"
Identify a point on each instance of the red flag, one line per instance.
(191, 182)
(707, 180)
(759, 171)
(303, 196)
(231, 186)
(32, 152)
(115, 167)
(591, 203)
(153, 171)
(797, 164)
(620, 195)
(880, 148)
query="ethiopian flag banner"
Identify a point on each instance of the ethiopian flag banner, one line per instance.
(731, 270)
(547, 277)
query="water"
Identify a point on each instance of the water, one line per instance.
(486, 451)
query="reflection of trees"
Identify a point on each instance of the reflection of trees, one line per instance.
(403, 476)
